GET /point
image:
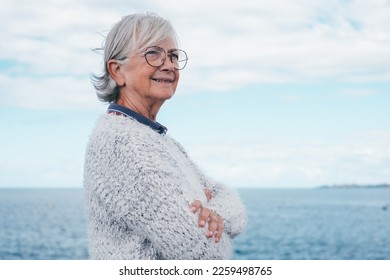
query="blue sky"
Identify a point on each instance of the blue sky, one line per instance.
(271, 97)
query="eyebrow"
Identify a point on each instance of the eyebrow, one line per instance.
(169, 50)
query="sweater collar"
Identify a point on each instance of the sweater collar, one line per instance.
(114, 108)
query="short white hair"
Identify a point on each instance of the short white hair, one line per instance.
(131, 35)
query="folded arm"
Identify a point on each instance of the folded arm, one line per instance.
(224, 201)
(145, 195)
(227, 203)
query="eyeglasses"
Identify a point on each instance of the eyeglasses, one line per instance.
(155, 56)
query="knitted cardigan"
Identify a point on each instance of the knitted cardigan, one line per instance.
(138, 187)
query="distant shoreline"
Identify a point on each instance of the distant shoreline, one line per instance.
(356, 186)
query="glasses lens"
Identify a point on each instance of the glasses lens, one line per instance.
(178, 58)
(155, 56)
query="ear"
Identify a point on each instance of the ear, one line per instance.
(115, 70)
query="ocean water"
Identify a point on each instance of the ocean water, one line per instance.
(283, 224)
(310, 224)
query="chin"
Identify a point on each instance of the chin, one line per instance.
(165, 95)
(169, 96)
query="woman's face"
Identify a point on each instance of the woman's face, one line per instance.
(148, 82)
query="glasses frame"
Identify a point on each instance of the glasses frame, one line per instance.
(165, 56)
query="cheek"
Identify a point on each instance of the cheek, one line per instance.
(177, 79)
(140, 72)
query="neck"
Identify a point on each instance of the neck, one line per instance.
(143, 107)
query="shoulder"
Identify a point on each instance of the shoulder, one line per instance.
(122, 138)
(116, 130)
(117, 126)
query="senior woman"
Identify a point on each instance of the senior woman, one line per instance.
(145, 198)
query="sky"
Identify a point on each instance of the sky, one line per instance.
(276, 94)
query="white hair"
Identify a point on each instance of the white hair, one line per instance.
(132, 34)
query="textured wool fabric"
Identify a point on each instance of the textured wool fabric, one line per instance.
(138, 187)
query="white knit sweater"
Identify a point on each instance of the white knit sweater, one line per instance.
(138, 185)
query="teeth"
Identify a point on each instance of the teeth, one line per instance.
(162, 81)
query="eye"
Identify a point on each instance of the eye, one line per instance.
(153, 53)
(174, 56)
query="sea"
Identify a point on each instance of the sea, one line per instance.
(282, 224)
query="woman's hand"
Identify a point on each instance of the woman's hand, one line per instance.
(215, 222)
(209, 195)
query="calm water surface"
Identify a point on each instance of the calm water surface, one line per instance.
(316, 224)
(282, 224)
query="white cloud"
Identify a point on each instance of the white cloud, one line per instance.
(46, 46)
(359, 92)
(57, 92)
(360, 158)
(324, 39)
(231, 44)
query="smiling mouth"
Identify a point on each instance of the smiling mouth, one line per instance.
(162, 80)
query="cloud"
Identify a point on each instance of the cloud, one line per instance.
(46, 59)
(359, 92)
(362, 158)
(231, 45)
(304, 40)
(57, 92)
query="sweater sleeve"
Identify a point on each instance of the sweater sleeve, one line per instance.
(139, 190)
(227, 203)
